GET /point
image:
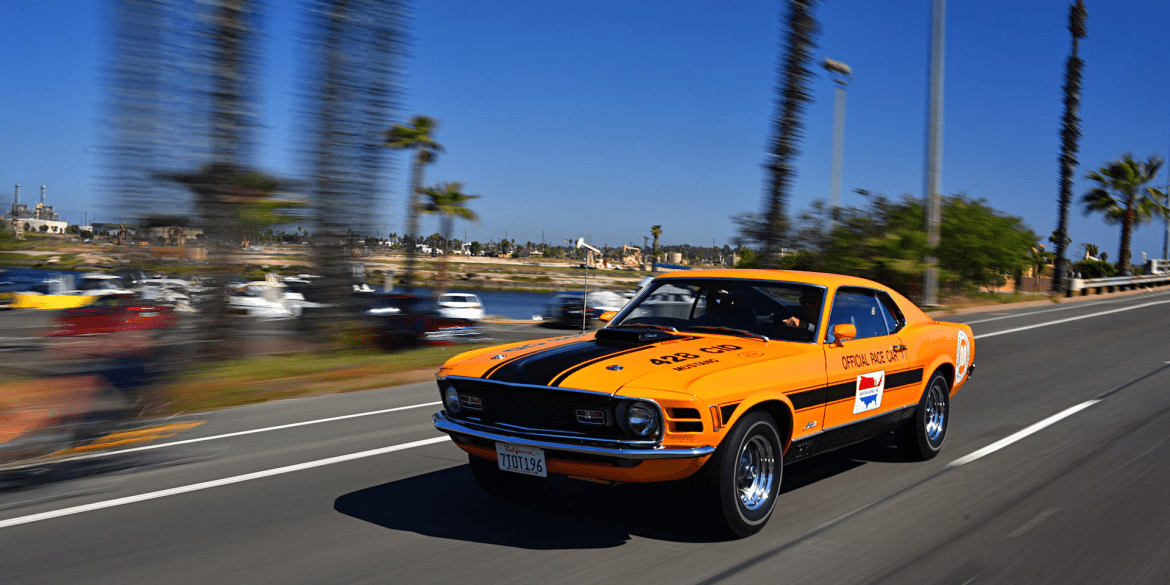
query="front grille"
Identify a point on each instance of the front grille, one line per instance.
(538, 408)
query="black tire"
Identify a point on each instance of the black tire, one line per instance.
(742, 478)
(922, 438)
(504, 485)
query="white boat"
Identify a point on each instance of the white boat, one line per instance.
(461, 306)
(95, 284)
(172, 291)
(270, 299)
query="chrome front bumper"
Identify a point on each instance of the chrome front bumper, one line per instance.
(451, 427)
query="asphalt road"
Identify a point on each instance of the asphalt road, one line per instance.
(1055, 471)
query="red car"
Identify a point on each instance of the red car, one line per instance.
(111, 327)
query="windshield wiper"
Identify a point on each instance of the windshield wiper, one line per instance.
(730, 331)
(648, 326)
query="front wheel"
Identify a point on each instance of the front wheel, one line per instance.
(922, 438)
(744, 474)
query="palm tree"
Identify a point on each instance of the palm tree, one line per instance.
(419, 138)
(655, 230)
(792, 97)
(1122, 196)
(1070, 135)
(449, 202)
(1091, 250)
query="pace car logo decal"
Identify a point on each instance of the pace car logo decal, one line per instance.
(869, 391)
(962, 356)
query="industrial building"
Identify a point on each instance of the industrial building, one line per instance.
(41, 215)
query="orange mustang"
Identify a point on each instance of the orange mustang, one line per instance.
(721, 375)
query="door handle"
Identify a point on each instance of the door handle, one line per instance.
(899, 348)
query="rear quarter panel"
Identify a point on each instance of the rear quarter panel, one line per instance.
(936, 345)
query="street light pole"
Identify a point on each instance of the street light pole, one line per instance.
(934, 151)
(842, 74)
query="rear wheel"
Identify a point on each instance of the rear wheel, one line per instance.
(923, 438)
(504, 485)
(744, 475)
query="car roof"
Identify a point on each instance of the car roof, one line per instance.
(798, 276)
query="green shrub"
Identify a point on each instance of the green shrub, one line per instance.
(1095, 269)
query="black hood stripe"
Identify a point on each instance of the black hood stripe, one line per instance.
(550, 367)
(493, 369)
(574, 369)
(541, 367)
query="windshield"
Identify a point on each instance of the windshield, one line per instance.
(776, 310)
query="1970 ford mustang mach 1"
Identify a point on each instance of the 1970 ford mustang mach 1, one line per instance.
(718, 376)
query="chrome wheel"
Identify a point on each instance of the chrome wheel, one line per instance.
(742, 479)
(755, 472)
(922, 437)
(935, 416)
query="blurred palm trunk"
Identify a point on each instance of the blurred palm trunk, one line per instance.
(359, 46)
(1070, 136)
(792, 99)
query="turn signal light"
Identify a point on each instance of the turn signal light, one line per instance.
(716, 418)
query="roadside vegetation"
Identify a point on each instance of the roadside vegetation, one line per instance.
(981, 248)
(251, 380)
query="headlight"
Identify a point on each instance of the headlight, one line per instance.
(451, 399)
(642, 419)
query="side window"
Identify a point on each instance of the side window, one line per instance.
(862, 310)
(891, 314)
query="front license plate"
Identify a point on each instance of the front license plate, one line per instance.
(517, 459)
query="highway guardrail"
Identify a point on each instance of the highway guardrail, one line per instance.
(1086, 286)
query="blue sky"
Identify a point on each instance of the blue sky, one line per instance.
(607, 117)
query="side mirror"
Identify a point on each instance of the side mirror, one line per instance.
(608, 316)
(843, 332)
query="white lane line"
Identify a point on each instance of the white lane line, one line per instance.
(215, 483)
(253, 431)
(1064, 308)
(1033, 523)
(1077, 318)
(1016, 436)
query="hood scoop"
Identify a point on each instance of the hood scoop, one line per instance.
(629, 336)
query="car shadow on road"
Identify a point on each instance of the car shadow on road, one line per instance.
(567, 514)
(883, 449)
(570, 514)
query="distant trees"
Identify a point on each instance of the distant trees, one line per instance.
(1122, 195)
(449, 202)
(419, 137)
(655, 231)
(884, 241)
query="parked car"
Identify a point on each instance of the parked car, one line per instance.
(461, 306)
(715, 377)
(400, 319)
(565, 308)
(113, 314)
